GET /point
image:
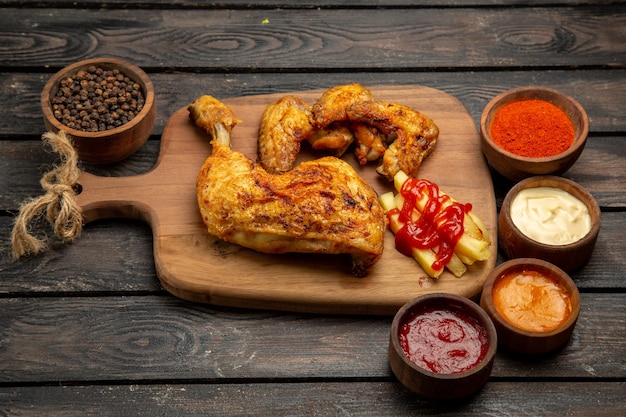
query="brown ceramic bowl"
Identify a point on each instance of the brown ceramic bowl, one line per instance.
(516, 167)
(512, 336)
(106, 146)
(568, 257)
(442, 384)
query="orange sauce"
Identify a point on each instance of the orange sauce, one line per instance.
(531, 300)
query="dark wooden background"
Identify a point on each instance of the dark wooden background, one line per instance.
(86, 329)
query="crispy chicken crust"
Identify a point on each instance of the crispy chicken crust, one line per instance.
(334, 102)
(344, 114)
(321, 206)
(284, 124)
(416, 134)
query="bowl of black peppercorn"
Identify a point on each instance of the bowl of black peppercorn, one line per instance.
(105, 105)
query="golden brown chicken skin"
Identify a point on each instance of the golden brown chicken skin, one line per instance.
(334, 102)
(335, 139)
(371, 143)
(207, 111)
(321, 206)
(284, 124)
(416, 134)
(331, 111)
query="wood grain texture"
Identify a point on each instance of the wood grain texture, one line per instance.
(598, 91)
(264, 4)
(126, 265)
(318, 38)
(98, 339)
(86, 329)
(198, 267)
(353, 398)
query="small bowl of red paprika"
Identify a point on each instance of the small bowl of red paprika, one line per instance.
(533, 304)
(531, 131)
(442, 346)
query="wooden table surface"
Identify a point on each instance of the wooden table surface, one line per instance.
(86, 329)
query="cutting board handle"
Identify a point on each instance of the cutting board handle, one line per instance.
(165, 196)
(115, 197)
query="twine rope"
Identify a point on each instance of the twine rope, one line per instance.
(58, 203)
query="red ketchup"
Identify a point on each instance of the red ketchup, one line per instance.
(444, 341)
(435, 228)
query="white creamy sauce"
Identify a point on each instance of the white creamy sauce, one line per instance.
(550, 215)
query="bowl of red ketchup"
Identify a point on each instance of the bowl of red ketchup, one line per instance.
(533, 304)
(442, 346)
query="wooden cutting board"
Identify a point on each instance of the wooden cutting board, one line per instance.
(195, 266)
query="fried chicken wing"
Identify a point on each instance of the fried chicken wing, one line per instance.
(336, 139)
(416, 134)
(284, 124)
(332, 105)
(321, 206)
(371, 143)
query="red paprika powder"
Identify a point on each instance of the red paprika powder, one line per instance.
(532, 128)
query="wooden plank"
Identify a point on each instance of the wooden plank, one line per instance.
(362, 398)
(126, 265)
(152, 354)
(600, 92)
(600, 169)
(121, 251)
(85, 340)
(318, 38)
(286, 4)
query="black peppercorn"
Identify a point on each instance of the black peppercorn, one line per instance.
(96, 99)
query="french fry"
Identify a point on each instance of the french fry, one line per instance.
(472, 246)
(387, 201)
(424, 257)
(474, 243)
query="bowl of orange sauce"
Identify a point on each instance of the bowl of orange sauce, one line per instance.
(533, 304)
(442, 346)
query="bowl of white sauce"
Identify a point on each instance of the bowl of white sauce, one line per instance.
(550, 218)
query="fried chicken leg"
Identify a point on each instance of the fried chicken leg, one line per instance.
(321, 206)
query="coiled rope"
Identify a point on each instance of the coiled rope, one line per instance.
(58, 203)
